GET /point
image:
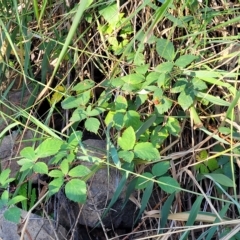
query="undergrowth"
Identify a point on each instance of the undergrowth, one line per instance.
(158, 80)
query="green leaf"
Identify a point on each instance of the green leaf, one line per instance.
(121, 103)
(56, 174)
(28, 152)
(165, 67)
(84, 85)
(143, 182)
(146, 151)
(128, 139)
(164, 105)
(26, 166)
(220, 178)
(179, 86)
(16, 199)
(5, 196)
(118, 120)
(159, 135)
(132, 118)
(48, 147)
(78, 115)
(168, 184)
(76, 190)
(4, 176)
(110, 13)
(25, 161)
(185, 60)
(202, 155)
(64, 166)
(127, 156)
(198, 84)
(161, 168)
(173, 126)
(55, 185)
(79, 171)
(96, 111)
(186, 98)
(92, 125)
(40, 167)
(212, 164)
(133, 79)
(13, 214)
(165, 49)
(142, 69)
(74, 102)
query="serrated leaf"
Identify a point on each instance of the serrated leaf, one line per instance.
(132, 118)
(79, 171)
(28, 152)
(168, 184)
(143, 182)
(165, 49)
(118, 120)
(48, 147)
(165, 67)
(24, 161)
(220, 178)
(185, 60)
(173, 126)
(161, 168)
(146, 151)
(76, 190)
(26, 166)
(58, 95)
(56, 174)
(74, 102)
(78, 115)
(55, 185)
(128, 139)
(179, 86)
(110, 13)
(96, 111)
(198, 84)
(127, 156)
(142, 69)
(84, 85)
(64, 166)
(92, 125)
(13, 214)
(163, 106)
(40, 167)
(186, 98)
(133, 79)
(159, 135)
(121, 103)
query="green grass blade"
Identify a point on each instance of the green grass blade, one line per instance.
(192, 216)
(165, 211)
(145, 198)
(145, 126)
(83, 5)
